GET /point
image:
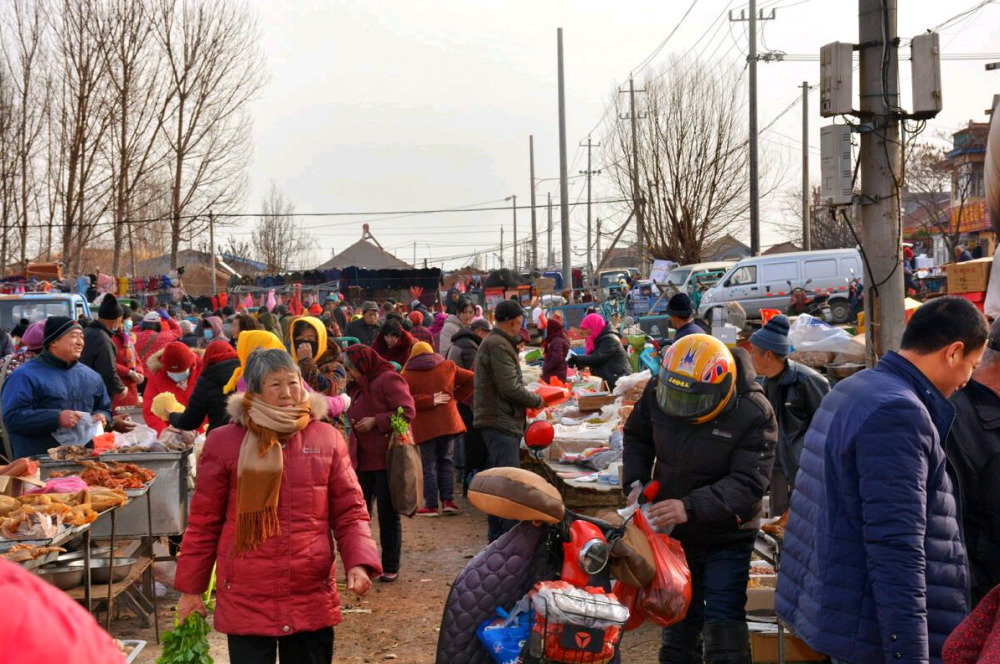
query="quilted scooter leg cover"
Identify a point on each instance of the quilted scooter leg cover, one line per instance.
(499, 575)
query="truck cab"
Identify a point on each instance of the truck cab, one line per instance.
(39, 306)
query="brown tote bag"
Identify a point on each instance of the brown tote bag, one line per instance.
(406, 474)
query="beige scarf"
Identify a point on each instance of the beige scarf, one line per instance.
(258, 474)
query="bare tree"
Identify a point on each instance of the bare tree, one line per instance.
(277, 241)
(935, 195)
(829, 231)
(8, 163)
(693, 169)
(216, 66)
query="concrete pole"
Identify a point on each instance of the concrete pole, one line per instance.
(567, 257)
(880, 173)
(534, 226)
(552, 256)
(806, 217)
(754, 173)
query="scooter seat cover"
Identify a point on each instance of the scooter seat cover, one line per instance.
(517, 494)
(632, 560)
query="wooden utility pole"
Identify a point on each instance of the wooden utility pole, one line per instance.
(806, 218)
(881, 173)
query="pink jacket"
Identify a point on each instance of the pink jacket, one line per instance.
(288, 584)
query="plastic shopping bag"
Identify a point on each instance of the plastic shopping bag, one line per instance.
(665, 601)
(504, 635)
(629, 597)
(406, 474)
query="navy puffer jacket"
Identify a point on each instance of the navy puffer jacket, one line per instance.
(873, 568)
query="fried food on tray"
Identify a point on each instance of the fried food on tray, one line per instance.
(69, 453)
(27, 523)
(102, 498)
(8, 505)
(81, 515)
(22, 553)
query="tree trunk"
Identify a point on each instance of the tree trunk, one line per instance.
(175, 235)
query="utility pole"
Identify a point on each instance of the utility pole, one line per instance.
(590, 241)
(211, 241)
(806, 218)
(598, 244)
(552, 257)
(640, 218)
(513, 207)
(567, 257)
(414, 254)
(881, 172)
(501, 246)
(754, 173)
(534, 226)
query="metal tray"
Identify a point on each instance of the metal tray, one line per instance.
(168, 494)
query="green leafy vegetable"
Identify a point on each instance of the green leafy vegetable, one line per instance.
(399, 423)
(187, 643)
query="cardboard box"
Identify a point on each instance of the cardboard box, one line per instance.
(588, 403)
(760, 600)
(764, 648)
(970, 276)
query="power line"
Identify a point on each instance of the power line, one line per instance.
(649, 58)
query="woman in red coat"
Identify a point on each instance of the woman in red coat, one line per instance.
(377, 393)
(393, 343)
(556, 348)
(128, 365)
(437, 386)
(174, 369)
(271, 487)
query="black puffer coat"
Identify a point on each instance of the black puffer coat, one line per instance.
(207, 399)
(463, 349)
(609, 359)
(719, 469)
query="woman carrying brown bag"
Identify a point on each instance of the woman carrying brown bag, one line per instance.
(437, 386)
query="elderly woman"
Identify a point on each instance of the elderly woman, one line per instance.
(271, 487)
(377, 393)
(606, 355)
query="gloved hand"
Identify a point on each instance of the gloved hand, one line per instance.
(164, 404)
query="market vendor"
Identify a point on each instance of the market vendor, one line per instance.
(52, 390)
(795, 392)
(271, 488)
(704, 429)
(606, 356)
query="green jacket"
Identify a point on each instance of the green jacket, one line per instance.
(500, 397)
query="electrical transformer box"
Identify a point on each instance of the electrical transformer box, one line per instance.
(836, 73)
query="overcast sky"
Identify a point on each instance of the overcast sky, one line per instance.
(401, 105)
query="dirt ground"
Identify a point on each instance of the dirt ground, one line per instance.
(398, 621)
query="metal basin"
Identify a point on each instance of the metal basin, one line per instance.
(841, 371)
(101, 569)
(64, 576)
(100, 552)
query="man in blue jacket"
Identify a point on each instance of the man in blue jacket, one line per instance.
(874, 568)
(50, 391)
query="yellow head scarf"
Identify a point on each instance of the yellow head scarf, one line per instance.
(250, 341)
(421, 348)
(315, 324)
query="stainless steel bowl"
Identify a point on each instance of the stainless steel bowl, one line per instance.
(101, 569)
(100, 552)
(841, 371)
(64, 577)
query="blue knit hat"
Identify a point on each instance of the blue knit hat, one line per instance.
(773, 336)
(680, 306)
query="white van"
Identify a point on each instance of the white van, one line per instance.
(765, 282)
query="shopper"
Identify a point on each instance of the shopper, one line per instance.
(681, 313)
(437, 385)
(175, 369)
(555, 348)
(500, 397)
(606, 356)
(470, 450)
(704, 429)
(393, 343)
(212, 330)
(208, 399)
(418, 331)
(962, 254)
(31, 347)
(248, 343)
(189, 336)
(243, 323)
(272, 487)
(99, 350)
(455, 323)
(318, 355)
(365, 329)
(795, 392)
(977, 639)
(50, 391)
(127, 364)
(153, 336)
(973, 450)
(377, 394)
(873, 567)
(269, 321)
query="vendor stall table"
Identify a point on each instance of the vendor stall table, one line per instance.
(579, 495)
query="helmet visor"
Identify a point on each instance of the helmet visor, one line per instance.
(680, 396)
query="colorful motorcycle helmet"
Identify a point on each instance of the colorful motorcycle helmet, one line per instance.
(697, 379)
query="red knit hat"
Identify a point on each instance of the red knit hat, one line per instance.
(177, 357)
(316, 310)
(416, 318)
(219, 351)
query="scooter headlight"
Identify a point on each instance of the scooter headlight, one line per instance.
(594, 556)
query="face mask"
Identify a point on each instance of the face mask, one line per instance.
(179, 377)
(312, 344)
(128, 326)
(209, 334)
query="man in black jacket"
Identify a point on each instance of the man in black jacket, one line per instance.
(795, 392)
(973, 450)
(99, 352)
(365, 329)
(704, 429)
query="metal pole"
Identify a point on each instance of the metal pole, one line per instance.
(534, 225)
(552, 256)
(501, 246)
(636, 204)
(598, 244)
(590, 240)
(754, 188)
(513, 207)
(806, 221)
(880, 173)
(211, 241)
(567, 257)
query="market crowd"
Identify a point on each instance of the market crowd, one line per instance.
(886, 481)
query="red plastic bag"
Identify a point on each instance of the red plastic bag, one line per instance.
(629, 597)
(665, 601)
